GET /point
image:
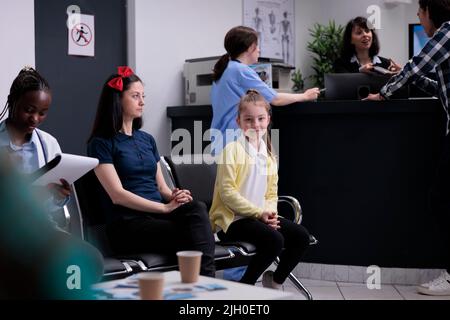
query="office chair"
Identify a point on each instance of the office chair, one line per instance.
(200, 180)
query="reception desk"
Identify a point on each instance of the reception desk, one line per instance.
(362, 171)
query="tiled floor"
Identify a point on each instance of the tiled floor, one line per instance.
(330, 290)
(347, 290)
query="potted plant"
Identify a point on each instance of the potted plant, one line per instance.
(297, 79)
(325, 47)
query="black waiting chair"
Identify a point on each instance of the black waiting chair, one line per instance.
(199, 177)
(91, 219)
(93, 222)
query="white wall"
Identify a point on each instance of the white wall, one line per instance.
(307, 13)
(131, 33)
(163, 34)
(411, 12)
(17, 33)
(168, 33)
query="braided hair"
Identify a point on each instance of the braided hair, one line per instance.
(27, 80)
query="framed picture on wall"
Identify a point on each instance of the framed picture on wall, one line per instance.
(274, 21)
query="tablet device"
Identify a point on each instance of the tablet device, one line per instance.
(64, 166)
(382, 70)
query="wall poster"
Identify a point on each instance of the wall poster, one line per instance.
(274, 20)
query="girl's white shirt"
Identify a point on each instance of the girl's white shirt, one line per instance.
(254, 187)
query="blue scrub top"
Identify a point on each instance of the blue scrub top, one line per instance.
(228, 91)
(135, 159)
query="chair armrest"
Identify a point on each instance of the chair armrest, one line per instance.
(298, 214)
(295, 205)
(167, 173)
(62, 216)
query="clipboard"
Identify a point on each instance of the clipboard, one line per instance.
(64, 166)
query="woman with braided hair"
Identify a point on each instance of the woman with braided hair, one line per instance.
(32, 242)
(30, 148)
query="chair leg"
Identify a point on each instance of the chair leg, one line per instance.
(300, 286)
(297, 283)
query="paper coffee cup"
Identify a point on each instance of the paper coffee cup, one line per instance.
(151, 285)
(189, 264)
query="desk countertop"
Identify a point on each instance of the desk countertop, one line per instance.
(326, 107)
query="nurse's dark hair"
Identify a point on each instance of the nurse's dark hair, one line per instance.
(252, 97)
(348, 49)
(438, 10)
(236, 42)
(27, 80)
(108, 120)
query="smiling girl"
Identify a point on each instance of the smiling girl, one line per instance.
(245, 198)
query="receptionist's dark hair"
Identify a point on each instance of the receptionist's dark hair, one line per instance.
(348, 49)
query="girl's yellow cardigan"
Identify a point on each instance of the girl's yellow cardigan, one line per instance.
(232, 169)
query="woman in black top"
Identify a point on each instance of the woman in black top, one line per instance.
(360, 49)
(144, 215)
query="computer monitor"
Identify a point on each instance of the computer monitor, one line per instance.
(417, 38)
(357, 86)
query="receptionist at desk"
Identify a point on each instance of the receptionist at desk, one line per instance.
(360, 50)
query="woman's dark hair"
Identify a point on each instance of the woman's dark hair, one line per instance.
(27, 80)
(236, 42)
(438, 10)
(348, 49)
(109, 120)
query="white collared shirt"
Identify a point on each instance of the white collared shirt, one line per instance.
(26, 154)
(47, 148)
(254, 187)
(375, 60)
(32, 155)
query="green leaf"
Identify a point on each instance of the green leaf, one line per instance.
(325, 47)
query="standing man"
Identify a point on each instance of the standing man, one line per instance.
(434, 15)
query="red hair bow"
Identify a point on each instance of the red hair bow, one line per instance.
(123, 72)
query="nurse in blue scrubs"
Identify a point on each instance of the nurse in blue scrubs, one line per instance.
(233, 77)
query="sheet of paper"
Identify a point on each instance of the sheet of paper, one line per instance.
(71, 168)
